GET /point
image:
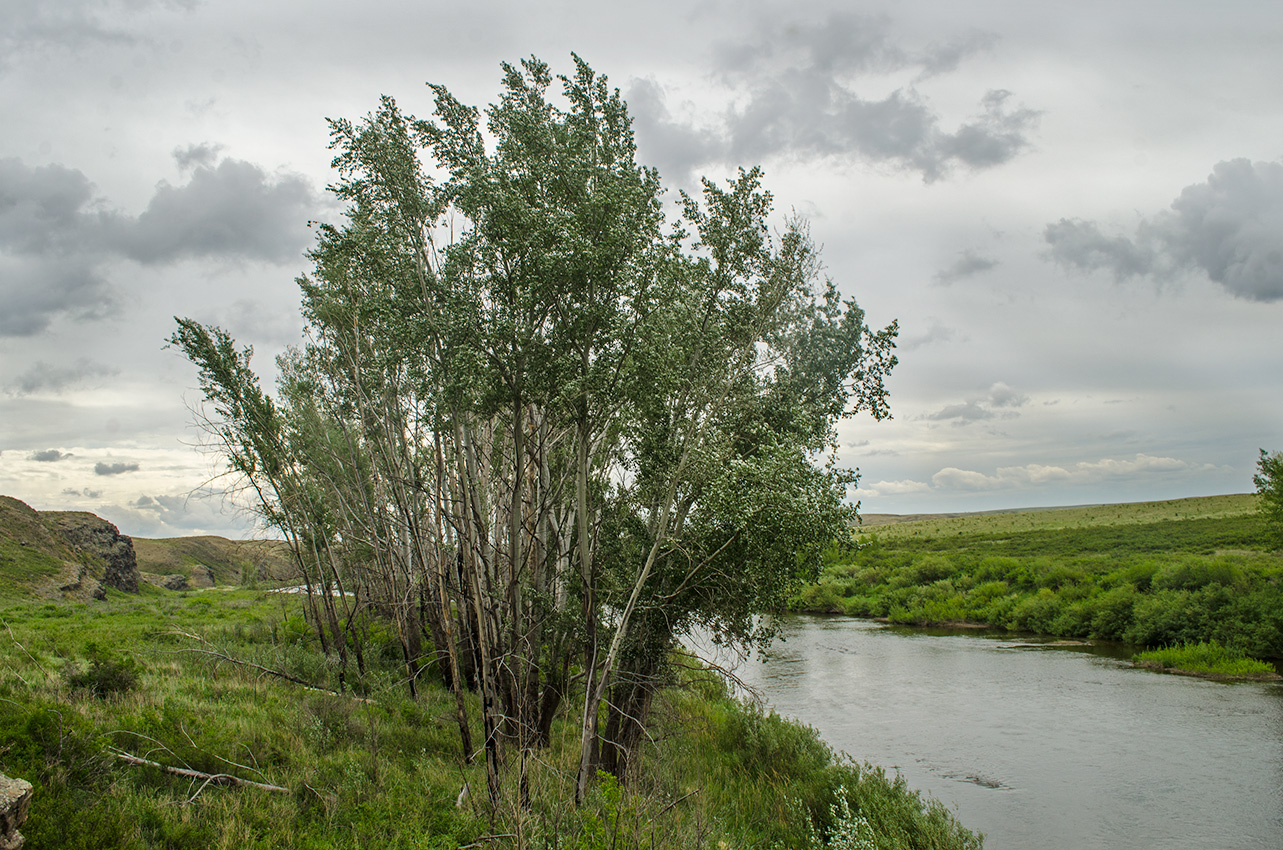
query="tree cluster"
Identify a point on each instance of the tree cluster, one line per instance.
(540, 427)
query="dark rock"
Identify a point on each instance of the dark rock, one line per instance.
(103, 543)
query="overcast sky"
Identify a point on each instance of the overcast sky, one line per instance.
(1075, 211)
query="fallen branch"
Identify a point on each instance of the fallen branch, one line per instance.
(208, 778)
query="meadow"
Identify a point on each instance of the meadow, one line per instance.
(1156, 574)
(91, 692)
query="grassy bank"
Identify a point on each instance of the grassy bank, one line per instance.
(81, 684)
(1208, 659)
(1153, 574)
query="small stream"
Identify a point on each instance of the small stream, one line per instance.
(1040, 746)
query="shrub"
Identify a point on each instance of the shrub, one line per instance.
(106, 674)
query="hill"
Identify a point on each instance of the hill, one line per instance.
(205, 561)
(79, 554)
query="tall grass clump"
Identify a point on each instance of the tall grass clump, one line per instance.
(1208, 658)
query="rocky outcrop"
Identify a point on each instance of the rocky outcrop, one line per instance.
(172, 581)
(15, 801)
(102, 542)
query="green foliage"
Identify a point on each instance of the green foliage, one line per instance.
(1208, 657)
(106, 674)
(1269, 490)
(1152, 579)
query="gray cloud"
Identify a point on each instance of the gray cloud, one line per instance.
(194, 155)
(802, 100)
(56, 237)
(42, 377)
(674, 148)
(1229, 228)
(33, 25)
(49, 456)
(232, 210)
(102, 468)
(935, 333)
(86, 492)
(968, 263)
(170, 515)
(1000, 401)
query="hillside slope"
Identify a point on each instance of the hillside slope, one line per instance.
(76, 553)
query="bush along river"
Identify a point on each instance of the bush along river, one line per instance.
(1040, 744)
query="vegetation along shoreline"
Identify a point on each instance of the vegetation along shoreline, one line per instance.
(1154, 575)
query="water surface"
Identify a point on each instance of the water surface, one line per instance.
(1036, 745)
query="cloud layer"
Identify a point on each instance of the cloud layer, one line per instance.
(1229, 228)
(803, 85)
(57, 238)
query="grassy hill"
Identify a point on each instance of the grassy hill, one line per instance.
(1153, 573)
(31, 554)
(229, 561)
(37, 556)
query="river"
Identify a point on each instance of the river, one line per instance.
(1037, 745)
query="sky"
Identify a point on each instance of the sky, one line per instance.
(1074, 212)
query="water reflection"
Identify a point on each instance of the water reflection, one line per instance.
(1040, 745)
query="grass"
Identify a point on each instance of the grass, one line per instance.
(79, 682)
(1207, 658)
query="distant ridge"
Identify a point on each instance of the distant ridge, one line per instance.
(1072, 516)
(75, 553)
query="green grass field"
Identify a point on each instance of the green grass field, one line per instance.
(1153, 574)
(83, 682)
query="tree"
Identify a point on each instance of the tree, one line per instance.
(541, 428)
(1269, 487)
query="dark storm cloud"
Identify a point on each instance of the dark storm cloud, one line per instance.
(968, 263)
(101, 468)
(49, 456)
(56, 236)
(1000, 401)
(802, 100)
(1229, 228)
(45, 377)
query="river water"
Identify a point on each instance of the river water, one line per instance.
(1039, 746)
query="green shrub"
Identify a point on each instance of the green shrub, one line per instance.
(107, 673)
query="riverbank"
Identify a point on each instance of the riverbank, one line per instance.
(92, 693)
(1207, 660)
(1157, 574)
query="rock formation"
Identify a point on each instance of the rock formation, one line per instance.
(104, 544)
(15, 801)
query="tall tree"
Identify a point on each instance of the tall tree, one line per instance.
(1269, 488)
(542, 429)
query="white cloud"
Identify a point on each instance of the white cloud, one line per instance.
(1034, 474)
(893, 488)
